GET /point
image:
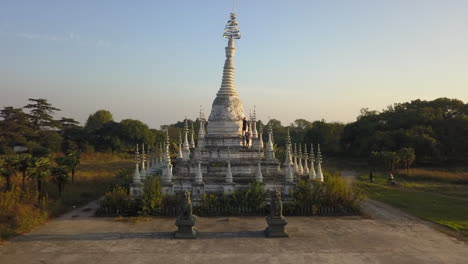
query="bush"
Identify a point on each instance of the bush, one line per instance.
(19, 213)
(333, 192)
(152, 199)
(116, 202)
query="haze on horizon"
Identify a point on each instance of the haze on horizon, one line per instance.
(158, 61)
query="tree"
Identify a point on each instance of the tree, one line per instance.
(407, 157)
(23, 164)
(15, 129)
(70, 161)
(8, 165)
(384, 160)
(67, 123)
(98, 119)
(41, 171)
(302, 124)
(59, 177)
(135, 131)
(40, 114)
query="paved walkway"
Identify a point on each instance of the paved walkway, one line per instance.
(78, 238)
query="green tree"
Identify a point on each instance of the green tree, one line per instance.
(41, 171)
(407, 157)
(59, 176)
(70, 161)
(98, 119)
(384, 160)
(135, 131)
(152, 195)
(23, 164)
(15, 129)
(40, 114)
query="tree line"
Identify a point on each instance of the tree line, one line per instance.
(427, 132)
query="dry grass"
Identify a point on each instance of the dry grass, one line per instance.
(455, 176)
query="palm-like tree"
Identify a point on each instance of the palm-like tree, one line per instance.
(59, 177)
(23, 164)
(41, 171)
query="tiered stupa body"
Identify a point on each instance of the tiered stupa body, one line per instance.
(224, 138)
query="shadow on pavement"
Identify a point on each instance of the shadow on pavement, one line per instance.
(117, 236)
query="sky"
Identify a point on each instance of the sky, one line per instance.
(158, 61)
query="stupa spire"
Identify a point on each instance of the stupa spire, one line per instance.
(305, 156)
(143, 161)
(312, 174)
(201, 131)
(300, 169)
(270, 153)
(254, 124)
(260, 135)
(136, 175)
(294, 156)
(319, 164)
(186, 145)
(167, 169)
(227, 112)
(288, 164)
(180, 155)
(192, 141)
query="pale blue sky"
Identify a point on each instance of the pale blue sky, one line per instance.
(157, 61)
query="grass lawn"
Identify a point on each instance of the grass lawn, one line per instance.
(439, 202)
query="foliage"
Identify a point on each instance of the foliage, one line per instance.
(8, 166)
(436, 130)
(19, 213)
(152, 199)
(59, 177)
(334, 192)
(41, 114)
(116, 201)
(41, 171)
(384, 160)
(98, 119)
(407, 157)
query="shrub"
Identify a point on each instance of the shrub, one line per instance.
(19, 213)
(333, 192)
(152, 199)
(116, 201)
